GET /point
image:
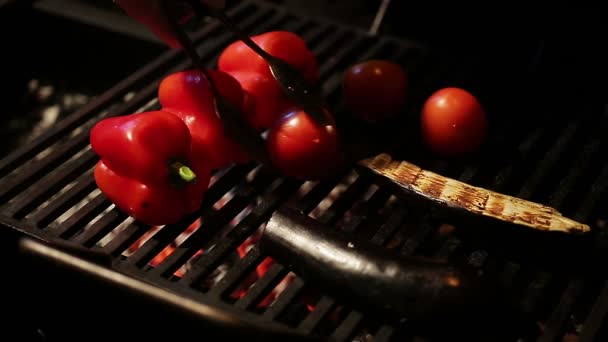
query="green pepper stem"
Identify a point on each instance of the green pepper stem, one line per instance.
(185, 173)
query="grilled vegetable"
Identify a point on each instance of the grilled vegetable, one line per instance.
(368, 275)
(479, 201)
(375, 90)
(285, 45)
(188, 95)
(147, 168)
(453, 123)
(301, 149)
(269, 99)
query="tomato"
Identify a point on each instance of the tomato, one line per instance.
(285, 45)
(375, 89)
(188, 95)
(267, 96)
(299, 148)
(453, 122)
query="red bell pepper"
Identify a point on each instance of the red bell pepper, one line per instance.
(188, 95)
(269, 100)
(254, 75)
(285, 45)
(147, 167)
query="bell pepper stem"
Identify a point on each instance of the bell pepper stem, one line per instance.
(184, 172)
(187, 174)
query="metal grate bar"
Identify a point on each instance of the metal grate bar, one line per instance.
(535, 291)
(593, 323)
(100, 228)
(575, 287)
(336, 210)
(337, 40)
(37, 193)
(562, 311)
(251, 222)
(551, 157)
(225, 183)
(592, 197)
(80, 140)
(80, 218)
(159, 241)
(62, 128)
(237, 273)
(64, 152)
(135, 230)
(346, 56)
(17, 182)
(322, 308)
(284, 299)
(369, 212)
(569, 182)
(209, 227)
(316, 33)
(342, 203)
(126, 238)
(312, 198)
(390, 226)
(217, 221)
(326, 303)
(73, 121)
(341, 56)
(422, 229)
(262, 286)
(384, 333)
(347, 327)
(525, 149)
(547, 158)
(84, 185)
(277, 272)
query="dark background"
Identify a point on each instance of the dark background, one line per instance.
(546, 58)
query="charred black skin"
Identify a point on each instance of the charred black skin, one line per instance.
(360, 273)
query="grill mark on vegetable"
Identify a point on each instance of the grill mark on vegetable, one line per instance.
(431, 185)
(495, 207)
(476, 200)
(469, 197)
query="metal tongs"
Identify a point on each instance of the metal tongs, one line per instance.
(290, 80)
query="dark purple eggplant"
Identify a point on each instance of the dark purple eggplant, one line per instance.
(359, 272)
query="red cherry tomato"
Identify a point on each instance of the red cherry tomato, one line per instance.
(187, 94)
(453, 122)
(285, 45)
(300, 148)
(267, 97)
(375, 90)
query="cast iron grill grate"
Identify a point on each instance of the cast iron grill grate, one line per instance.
(47, 190)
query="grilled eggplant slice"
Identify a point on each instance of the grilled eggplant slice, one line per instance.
(478, 201)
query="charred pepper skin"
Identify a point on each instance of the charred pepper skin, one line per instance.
(147, 167)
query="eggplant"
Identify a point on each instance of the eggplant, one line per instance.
(363, 274)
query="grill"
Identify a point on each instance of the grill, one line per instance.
(47, 192)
